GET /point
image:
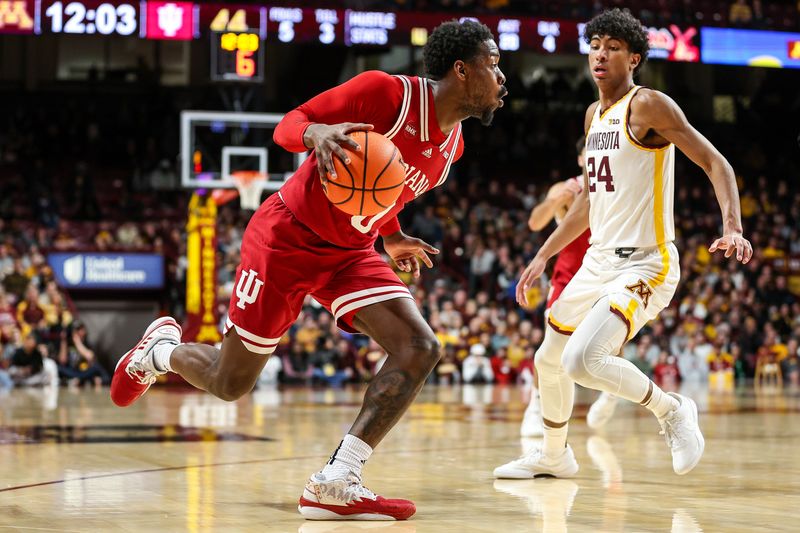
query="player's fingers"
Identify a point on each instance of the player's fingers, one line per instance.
(341, 154)
(425, 259)
(414, 267)
(357, 126)
(739, 250)
(714, 246)
(402, 264)
(351, 143)
(729, 251)
(427, 247)
(748, 253)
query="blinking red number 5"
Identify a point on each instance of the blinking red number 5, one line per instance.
(602, 172)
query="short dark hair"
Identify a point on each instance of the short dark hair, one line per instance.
(620, 25)
(451, 41)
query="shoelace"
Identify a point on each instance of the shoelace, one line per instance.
(357, 488)
(140, 373)
(674, 432)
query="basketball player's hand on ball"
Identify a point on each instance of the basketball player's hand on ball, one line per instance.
(734, 242)
(406, 252)
(328, 139)
(529, 275)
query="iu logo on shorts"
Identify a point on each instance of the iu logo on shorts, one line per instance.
(248, 288)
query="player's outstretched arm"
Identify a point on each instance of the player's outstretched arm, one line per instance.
(575, 222)
(666, 118)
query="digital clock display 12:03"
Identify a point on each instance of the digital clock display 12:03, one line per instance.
(88, 17)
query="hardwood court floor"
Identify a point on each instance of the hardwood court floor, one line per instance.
(184, 461)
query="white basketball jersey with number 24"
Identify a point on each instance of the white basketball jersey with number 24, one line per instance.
(631, 186)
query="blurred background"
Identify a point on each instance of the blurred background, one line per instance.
(106, 171)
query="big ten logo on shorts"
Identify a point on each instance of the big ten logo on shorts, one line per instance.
(248, 288)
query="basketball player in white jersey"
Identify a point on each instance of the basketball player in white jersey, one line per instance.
(631, 269)
(557, 202)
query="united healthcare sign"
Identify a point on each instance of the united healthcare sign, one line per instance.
(108, 271)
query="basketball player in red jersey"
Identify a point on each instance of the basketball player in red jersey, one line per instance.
(298, 243)
(555, 206)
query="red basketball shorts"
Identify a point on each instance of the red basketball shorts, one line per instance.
(567, 264)
(283, 261)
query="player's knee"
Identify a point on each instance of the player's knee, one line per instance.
(430, 350)
(574, 361)
(232, 389)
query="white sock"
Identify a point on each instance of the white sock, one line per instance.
(555, 440)
(161, 355)
(661, 403)
(351, 455)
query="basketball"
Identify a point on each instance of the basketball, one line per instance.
(372, 181)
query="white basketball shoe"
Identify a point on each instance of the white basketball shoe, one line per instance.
(135, 371)
(348, 499)
(601, 410)
(682, 433)
(536, 464)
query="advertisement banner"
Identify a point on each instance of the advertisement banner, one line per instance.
(754, 48)
(107, 270)
(202, 317)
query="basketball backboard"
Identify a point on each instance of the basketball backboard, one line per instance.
(217, 144)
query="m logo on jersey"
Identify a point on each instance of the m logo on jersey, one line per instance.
(248, 288)
(411, 130)
(642, 289)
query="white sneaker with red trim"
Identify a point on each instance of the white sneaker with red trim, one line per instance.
(348, 499)
(135, 371)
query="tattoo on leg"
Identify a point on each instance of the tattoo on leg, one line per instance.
(385, 401)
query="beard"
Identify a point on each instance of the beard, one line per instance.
(486, 116)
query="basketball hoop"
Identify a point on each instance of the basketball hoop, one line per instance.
(248, 183)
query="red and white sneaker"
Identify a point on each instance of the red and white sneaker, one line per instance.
(135, 371)
(348, 499)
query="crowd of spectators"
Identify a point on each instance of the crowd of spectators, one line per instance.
(41, 342)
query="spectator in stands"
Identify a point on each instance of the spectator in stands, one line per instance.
(30, 365)
(327, 367)
(501, 368)
(666, 373)
(476, 367)
(30, 314)
(77, 362)
(296, 367)
(17, 281)
(740, 13)
(790, 366)
(447, 372)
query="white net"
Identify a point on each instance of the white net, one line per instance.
(249, 184)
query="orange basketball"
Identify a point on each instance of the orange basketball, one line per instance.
(372, 181)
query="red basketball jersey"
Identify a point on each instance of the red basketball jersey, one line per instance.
(402, 109)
